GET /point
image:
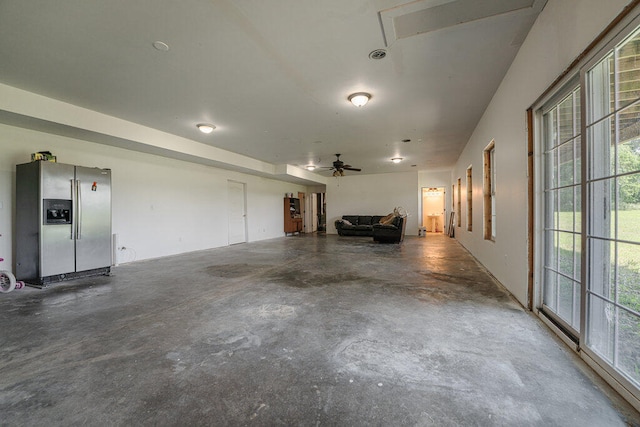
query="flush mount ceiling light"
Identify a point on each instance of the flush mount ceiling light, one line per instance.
(396, 159)
(161, 46)
(310, 167)
(205, 127)
(359, 99)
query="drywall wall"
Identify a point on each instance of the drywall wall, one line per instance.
(561, 32)
(373, 195)
(160, 206)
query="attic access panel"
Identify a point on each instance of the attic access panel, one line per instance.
(424, 16)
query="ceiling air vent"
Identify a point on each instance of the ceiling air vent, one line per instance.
(378, 54)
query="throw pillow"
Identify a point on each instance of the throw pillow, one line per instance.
(387, 219)
(345, 222)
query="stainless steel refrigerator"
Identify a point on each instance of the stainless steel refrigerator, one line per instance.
(63, 222)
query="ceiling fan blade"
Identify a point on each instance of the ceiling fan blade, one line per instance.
(352, 169)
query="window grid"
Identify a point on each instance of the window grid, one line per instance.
(562, 224)
(612, 288)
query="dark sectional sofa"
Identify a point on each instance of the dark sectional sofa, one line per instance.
(369, 225)
(390, 233)
(357, 225)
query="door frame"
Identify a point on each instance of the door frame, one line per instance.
(443, 188)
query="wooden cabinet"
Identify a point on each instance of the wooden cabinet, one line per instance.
(292, 215)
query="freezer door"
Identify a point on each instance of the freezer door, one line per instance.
(93, 218)
(57, 249)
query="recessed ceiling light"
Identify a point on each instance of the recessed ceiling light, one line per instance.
(162, 46)
(359, 99)
(406, 140)
(396, 159)
(310, 167)
(205, 127)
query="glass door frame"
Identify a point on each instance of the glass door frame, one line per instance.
(623, 28)
(628, 389)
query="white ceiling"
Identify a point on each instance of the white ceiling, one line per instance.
(274, 76)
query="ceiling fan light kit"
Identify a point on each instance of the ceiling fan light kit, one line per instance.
(339, 167)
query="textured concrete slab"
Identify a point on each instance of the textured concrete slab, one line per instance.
(293, 331)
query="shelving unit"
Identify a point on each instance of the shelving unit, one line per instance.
(292, 216)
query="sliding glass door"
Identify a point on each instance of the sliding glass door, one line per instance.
(589, 265)
(562, 219)
(613, 186)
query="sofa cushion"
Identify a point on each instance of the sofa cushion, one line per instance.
(364, 220)
(385, 227)
(362, 227)
(376, 219)
(353, 219)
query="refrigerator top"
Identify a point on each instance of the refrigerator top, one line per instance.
(62, 164)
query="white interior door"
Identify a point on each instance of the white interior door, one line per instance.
(237, 212)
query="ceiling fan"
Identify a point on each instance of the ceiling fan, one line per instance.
(339, 167)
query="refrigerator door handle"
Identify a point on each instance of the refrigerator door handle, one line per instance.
(73, 211)
(79, 209)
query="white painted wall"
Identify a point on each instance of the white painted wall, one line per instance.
(160, 206)
(373, 195)
(562, 31)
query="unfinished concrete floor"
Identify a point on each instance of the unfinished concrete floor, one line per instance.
(307, 330)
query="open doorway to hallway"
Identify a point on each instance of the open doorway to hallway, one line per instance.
(315, 218)
(433, 209)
